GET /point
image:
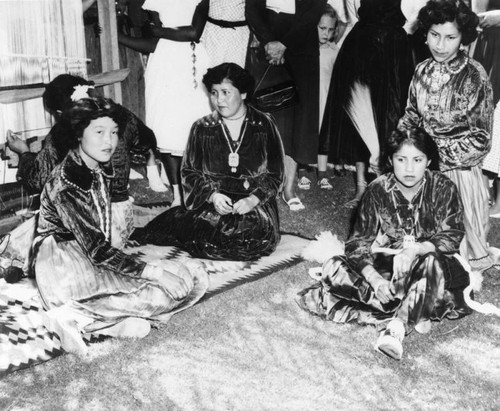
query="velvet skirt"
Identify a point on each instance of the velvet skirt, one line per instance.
(206, 234)
(67, 277)
(431, 291)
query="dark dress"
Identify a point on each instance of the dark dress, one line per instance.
(487, 52)
(298, 125)
(376, 52)
(198, 228)
(434, 286)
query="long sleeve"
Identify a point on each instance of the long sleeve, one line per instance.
(34, 169)
(454, 107)
(476, 143)
(447, 212)
(411, 117)
(255, 13)
(73, 209)
(270, 181)
(301, 27)
(366, 228)
(197, 185)
(139, 138)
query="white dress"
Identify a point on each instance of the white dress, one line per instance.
(226, 45)
(173, 103)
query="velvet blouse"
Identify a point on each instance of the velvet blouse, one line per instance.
(75, 206)
(453, 102)
(435, 214)
(205, 168)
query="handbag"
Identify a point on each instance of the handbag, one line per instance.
(276, 97)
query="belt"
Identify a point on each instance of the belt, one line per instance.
(227, 24)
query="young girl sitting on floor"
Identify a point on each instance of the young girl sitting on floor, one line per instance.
(85, 284)
(398, 271)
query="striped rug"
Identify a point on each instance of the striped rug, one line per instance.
(24, 341)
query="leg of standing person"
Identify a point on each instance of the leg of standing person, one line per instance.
(360, 184)
(289, 195)
(323, 182)
(172, 167)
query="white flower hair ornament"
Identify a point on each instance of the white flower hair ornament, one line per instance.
(81, 91)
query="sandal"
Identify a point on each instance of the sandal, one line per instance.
(324, 184)
(304, 184)
(294, 204)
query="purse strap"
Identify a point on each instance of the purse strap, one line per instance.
(262, 78)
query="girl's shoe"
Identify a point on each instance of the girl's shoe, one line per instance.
(304, 183)
(324, 184)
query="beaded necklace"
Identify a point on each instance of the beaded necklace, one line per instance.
(409, 238)
(104, 223)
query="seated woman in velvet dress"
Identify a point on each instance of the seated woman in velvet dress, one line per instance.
(231, 172)
(85, 284)
(414, 217)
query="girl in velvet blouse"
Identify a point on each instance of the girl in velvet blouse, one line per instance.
(85, 284)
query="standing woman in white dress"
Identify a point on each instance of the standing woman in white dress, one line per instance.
(175, 94)
(226, 34)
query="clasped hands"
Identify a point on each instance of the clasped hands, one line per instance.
(224, 205)
(401, 266)
(275, 52)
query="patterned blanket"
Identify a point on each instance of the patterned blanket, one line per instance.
(24, 341)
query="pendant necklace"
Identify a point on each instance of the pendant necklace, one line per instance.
(233, 159)
(410, 239)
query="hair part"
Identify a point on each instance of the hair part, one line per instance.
(238, 76)
(416, 137)
(444, 11)
(77, 117)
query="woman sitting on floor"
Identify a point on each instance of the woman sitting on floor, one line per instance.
(232, 172)
(86, 284)
(414, 216)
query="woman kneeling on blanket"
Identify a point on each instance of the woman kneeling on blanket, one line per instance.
(85, 284)
(231, 173)
(398, 271)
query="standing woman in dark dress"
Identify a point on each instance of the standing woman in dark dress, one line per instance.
(375, 53)
(287, 31)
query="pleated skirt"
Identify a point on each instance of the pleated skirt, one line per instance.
(65, 275)
(474, 195)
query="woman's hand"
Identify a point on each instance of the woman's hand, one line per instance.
(222, 203)
(489, 19)
(403, 261)
(383, 292)
(173, 284)
(16, 144)
(245, 205)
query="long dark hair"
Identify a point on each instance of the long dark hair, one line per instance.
(78, 116)
(416, 137)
